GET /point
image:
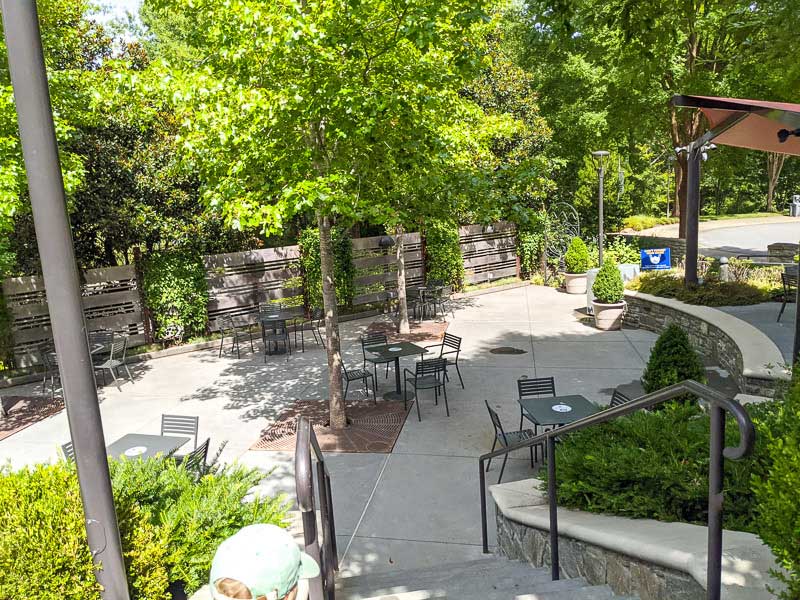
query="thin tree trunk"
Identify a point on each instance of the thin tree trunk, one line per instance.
(402, 303)
(775, 162)
(338, 416)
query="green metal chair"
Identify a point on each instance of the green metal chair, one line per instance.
(427, 375)
(507, 438)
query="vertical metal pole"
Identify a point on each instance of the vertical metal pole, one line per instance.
(54, 239)
(484, 528)
(552, 493)
(600, 234)
(692, 213)
(715, 498)
(796, 349)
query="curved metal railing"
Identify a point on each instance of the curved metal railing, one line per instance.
(718, 405)
(322, 587)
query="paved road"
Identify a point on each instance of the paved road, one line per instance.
(747, 239)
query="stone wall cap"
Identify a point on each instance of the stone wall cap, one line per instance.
(746, 561)
(761, 358)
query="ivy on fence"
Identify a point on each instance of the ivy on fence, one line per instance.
(443, 253)
(344, 270)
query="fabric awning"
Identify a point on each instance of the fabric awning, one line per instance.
(759, 126)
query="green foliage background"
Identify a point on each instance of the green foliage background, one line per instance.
(344, 269)
(175, 290)
(443, 253)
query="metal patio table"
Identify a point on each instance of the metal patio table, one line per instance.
(142, 445)
(395, 351)
(549, 411)
(266, 318)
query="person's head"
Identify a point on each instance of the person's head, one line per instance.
(260, 562)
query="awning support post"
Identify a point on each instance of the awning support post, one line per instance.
(692, 212)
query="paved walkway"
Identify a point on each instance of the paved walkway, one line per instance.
(419, 505)
(763, 317)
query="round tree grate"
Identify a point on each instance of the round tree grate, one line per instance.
(507, 350)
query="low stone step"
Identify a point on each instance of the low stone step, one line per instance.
(418, 595)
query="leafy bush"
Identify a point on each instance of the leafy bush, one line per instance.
(639, 222)
(171, 522)
(443, 248)
(6, 339)
(576, 259)
(777, 510)
(621, 251)
(43, 549)
(655, 465)
(175, 290)
(711, 293)
(672, 360)
(531, 240)
(608, 287)
(343, 269)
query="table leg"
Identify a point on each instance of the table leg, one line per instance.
(397, 394)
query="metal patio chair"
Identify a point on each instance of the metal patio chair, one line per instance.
(275, 331)
(449, 349)
(50, 362)
(196, 459)
(374, 339)
(358, 375)
(311, 323)
(534, 387)
(229, 329)
(68, 451)
(618, 399)
(115, 360)
(428, 374)
(442, 300)
(507, 438)
(180, 425)
(789, 281)
(420, 303)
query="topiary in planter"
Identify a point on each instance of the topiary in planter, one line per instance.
(672, 360)
(608, 287)
(576, 260)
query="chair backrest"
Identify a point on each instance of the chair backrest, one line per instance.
(618, 398)
(103, 337)
(270, 307)
(180, 424)
(49, 358)
(431, 366)
(196, 459)
(536, 386)
(119, 347)
(225, 323)
(451, 341)
(498, 426)
(789, 281)
(68, 451)
(372, 339)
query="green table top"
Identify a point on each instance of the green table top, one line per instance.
(396, 350)
(568, 409)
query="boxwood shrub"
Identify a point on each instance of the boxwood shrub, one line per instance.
(576, 259)
(673, 359)
(608, 287)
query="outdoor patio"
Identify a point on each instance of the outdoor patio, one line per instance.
(418, 505)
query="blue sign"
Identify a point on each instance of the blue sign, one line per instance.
(656, 259)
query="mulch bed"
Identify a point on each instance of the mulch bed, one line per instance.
(373, 427)
(427, 331)
(23, 411)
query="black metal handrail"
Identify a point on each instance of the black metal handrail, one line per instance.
(322, 587)
(718, 404)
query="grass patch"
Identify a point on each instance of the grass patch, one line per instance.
(491, 284)
(640, 222)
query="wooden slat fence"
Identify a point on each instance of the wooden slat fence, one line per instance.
(238, 282)
(489, 252)
(376, 267)
(110, 301)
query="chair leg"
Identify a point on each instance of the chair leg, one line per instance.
(532, 462)
(520, 419)
(114, 375)
(346, 387)
(128, 371)
(783, 306)
(489, 463)
(374, 391)
(252, 348)
(503, 468)
(221, 345)
(459, 374)
(446, 408)
(387, 372)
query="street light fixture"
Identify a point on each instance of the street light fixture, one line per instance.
(599, 158)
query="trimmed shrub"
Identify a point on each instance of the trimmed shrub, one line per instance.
(175, 290)
(622, 252)
(443, 248)
(710, 293)
(576, 260)
(654, 465)
(777, 510)
(608, 287)
(672, 360)
(344, 271)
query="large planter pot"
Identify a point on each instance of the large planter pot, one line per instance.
(575, 283)
(608, 317)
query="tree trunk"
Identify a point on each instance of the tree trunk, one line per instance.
(775, 162)
(338, 416)
(402, 303)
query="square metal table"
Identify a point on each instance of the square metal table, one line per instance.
(568, 409)
(142, 445)
(395, 351)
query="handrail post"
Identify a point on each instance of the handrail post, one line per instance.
(484, 531)
(552, 493)
(715, 501)
(304, 482)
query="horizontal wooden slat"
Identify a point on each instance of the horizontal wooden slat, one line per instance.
(498, 274)
(22, 285)
(488, 260)
(381, 277)
(254, 278)
(368, 243)
(93, 276)
(252, 256)
(389, 259)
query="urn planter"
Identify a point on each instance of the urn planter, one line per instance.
(575, 283)
(608, 317)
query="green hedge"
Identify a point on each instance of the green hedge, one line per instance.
(531, 237)
(344, 270)
(710, 293)
(175, 290)
(171, 523)
(443, 253)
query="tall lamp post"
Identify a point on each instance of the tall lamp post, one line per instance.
(599, 158)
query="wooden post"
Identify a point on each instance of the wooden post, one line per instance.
(138, 269)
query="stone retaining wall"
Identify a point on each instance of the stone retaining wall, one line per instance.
(677, 246)
(624, 574)
(762, 377)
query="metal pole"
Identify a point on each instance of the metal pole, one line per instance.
(54, 239)
(552, 498)
(796, 350)
(600, 217)
(715, 500)
(484, 527)
(692, 212)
